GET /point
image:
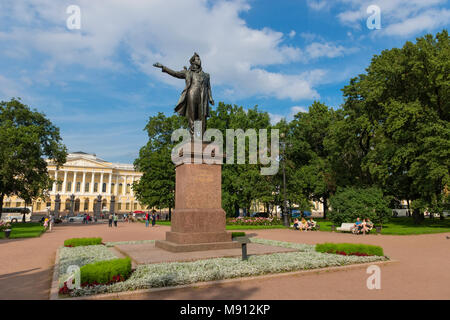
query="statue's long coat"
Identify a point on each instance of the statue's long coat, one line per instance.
(181, 106)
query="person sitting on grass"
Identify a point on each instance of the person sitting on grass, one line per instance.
(296, 224)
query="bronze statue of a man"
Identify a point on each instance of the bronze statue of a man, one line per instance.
(196, 96)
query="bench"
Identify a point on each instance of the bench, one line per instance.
(315, 228)
(346, 227)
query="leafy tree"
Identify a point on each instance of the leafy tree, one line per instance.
(394, 128)
(27, 139)
(313, 175)
(351, 203)
(241, 183)
(156, 188)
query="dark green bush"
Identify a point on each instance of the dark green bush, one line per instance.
(76, 242)
(351, 203)
(105, 272)
(237, 234)
(350, 249)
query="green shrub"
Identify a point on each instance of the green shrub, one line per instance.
(351, 203)
(237, 234)
(350, 249)
(76, 242)
(104, 272)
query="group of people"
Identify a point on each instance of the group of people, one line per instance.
(304, 225)
(151, 217)
(362, 226)
(113, 218)
(86, 218)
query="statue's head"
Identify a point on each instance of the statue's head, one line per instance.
(195, 61)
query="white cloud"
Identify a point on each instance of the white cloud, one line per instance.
(168, 31)
(317, 4)
(275, 118)
(398, 17)
(317, 50)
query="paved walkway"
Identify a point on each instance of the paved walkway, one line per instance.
(421, 273)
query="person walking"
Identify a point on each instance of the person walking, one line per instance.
(116, 218)
(110, 220)
(153, 218)
(147, 219)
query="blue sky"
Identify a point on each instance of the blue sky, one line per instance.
(98, 84)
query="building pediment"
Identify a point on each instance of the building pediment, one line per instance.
(86, 163)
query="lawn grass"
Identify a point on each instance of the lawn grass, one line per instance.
(402, 226)
(24, 230)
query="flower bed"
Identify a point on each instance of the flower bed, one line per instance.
(4, 226)
(180, 273)
(243, 221)
(350, 249)
(82, 255)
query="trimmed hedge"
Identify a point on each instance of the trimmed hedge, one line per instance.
(237, 234)
(350, 249)
(76, 242)
(106, 272)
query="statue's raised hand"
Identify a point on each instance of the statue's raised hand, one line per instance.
(158, 65)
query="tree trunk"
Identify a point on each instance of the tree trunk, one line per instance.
(418, 217)
(325, 207)
(409, 208)
(2, 196)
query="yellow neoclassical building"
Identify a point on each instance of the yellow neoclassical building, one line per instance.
(85, 176)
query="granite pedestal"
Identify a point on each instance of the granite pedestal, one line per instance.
(198, 220)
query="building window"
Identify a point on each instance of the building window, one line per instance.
(112, 188)
(78, 187)
(7, 204)
(95, 187)
(69, 186)
(127, 206)
(49, 204)
(86, 204)
(18, 204)
(119, 206)
(38, 206)
(128, 188)
(135, 206)
(59, 186)
(104, 187)
(86, 187)
(120, 188)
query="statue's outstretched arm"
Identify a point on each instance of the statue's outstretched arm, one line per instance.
(177, 74)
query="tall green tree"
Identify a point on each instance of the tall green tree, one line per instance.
(27, 140)
(394, 129)
(156, 188)
(241, 183)
(312, 174)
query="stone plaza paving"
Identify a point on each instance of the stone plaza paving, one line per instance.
(420, 270)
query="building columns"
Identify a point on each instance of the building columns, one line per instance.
(92, 181)
(83, 184)
(64, 182)
(74, 181)
(101, 183)
(109, 184)
(54, 183)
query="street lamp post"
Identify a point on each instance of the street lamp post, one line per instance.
(285, 210)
